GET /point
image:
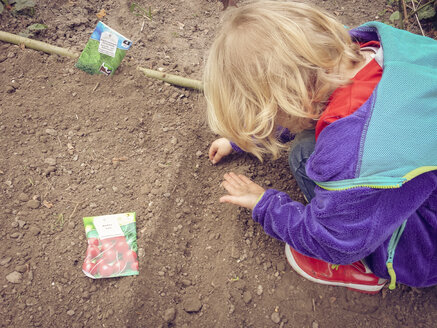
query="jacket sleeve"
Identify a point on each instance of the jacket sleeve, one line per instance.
(340, 227)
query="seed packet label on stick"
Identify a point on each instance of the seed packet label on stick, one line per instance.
(104, 51)
(112, 246)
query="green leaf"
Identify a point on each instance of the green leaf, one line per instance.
(426, 12)
(23, 4)
(37, 27)
(395, 16)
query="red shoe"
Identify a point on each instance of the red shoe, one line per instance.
(355, 276)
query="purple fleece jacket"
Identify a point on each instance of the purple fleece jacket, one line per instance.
(345, 226)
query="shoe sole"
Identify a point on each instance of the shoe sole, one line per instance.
(356, 287)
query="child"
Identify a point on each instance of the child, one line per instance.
(363, 107)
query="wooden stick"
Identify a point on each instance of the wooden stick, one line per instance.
(172, 79)
(37, 45)
(405, 14)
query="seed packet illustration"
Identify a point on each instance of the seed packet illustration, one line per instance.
(104, 51)
(112, 246)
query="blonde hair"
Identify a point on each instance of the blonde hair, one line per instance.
(271, 61)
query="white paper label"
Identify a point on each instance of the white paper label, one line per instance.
(108, 44)
(108, 227)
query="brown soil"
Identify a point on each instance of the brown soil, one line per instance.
(202, 264)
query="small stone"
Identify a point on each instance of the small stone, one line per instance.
(276, 318)
(234, 253)
(71, 225)
(315, 324)
(280, 266)
(49, 170)
(141, 252)
(199, 153)
(50, 161)
(21, 223)
(15, 235)
(186, 282)
(70, 312)
(173, 140)
(5, 260)
(23, 197)
(259, 290)
(10, 89)
(52, 132)
(34, 231)
(192, 305)
(169, 315)
(14, 277)
(21, 268)
(33, 203)
(31, 301)
(247, 297)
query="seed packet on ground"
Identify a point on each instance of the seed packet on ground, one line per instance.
(112, 246)
(104, 51)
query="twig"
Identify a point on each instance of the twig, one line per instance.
(172, 79)
(417, 18)
(401, 21)
(74, 210)
(97, 85)
(405, 14)
(37, 45)
(142, 26)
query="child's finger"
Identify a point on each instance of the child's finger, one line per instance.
(235, 178)
(244, 179)
(212, 152)
(230, 179)
(217, 157)
(230, 188)
(229, 199)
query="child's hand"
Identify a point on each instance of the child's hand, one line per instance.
(242, 191)
(219, 149)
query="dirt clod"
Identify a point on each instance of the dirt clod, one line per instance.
(276, 317)
(169, 315)
(191, 304)
(14, 277)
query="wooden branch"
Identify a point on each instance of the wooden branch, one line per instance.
(404, 7)
(172, 79)
(37, 45)
(402, 18)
